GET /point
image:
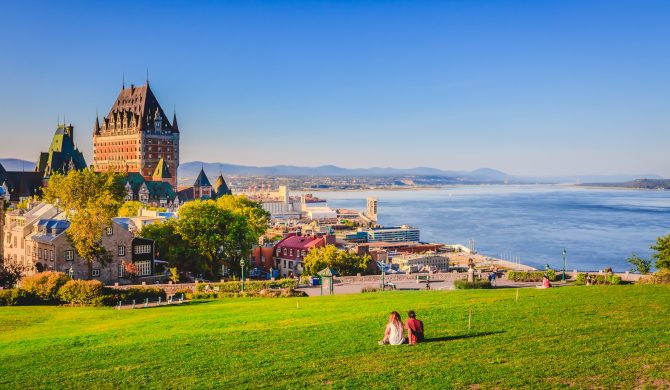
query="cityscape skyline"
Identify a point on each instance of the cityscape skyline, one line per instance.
(527, 89)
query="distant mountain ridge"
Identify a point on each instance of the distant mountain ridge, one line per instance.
(483, 175)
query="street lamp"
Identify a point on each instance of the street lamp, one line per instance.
(70, 272)
(242, 264)
(565, 253)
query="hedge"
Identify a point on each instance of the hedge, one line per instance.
(267, 293)
(112, 296)
(599, 279)
(251, 285)
(18, 297)
(81, 292)
(531, 276)
(462, 284)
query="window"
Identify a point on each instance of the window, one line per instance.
(122, 250)
(95, 272)
(110, 230)
(291, 252)
(69, 255)
(278, 251)
(142, 249)
(284, 251)
(122, 271)
(39, 253)
(51, 254)
(143, 268)
(303, 253)
(290, 264)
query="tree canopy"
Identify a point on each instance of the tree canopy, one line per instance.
(344, 262)
(91, 200)
(662, 255)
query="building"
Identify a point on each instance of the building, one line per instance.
(371, 209)
(37, 240)
(422, 262)
(156, 192)
(135, 135)
(290, 252)
(63, 156)
(402, 233)
(203, 189)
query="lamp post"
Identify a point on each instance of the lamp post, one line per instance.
(242, 264)
(565, 253)
(383, 275)
(70, 272)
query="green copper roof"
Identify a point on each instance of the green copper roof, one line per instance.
(63, 155)
(162, 170)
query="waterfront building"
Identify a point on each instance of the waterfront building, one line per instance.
(136, 135)
(394, 234)
(422, 262)
(371, 209)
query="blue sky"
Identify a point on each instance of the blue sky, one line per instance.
(528, 87)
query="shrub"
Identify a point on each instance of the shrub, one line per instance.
(112, 296)
(82, 292)
(18, 297)
(369, 289)
(598, 279)
(662, 276)
(45, 285)
(249, 285)
(530, 276)
(462, 284)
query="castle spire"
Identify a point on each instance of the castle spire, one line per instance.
(96, 129)
(175, 126)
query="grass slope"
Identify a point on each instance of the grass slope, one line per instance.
(610, 336)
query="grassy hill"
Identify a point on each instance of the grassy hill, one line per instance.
(584, 337)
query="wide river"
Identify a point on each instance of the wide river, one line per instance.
(532, 223)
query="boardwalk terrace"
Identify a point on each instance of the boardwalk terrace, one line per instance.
(135, 135)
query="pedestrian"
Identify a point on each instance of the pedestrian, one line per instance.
(414, 328)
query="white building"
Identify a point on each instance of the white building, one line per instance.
(422, 262)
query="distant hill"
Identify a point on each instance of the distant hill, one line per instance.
(15, 164)
(191, 169)
(649, 184)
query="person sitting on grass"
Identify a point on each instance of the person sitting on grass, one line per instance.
(545, 282)
(414, 328)
(394, 333)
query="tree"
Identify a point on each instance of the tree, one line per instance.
(90, 200)
(171, 246)
(10, 274)
(250, 221)
(662, 255)
(130, 208)
(344, 262)
(174, 275)
(641, 265)
(207, 227)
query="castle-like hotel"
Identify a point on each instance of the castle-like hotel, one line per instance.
(135, 138)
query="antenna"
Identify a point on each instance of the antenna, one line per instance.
(147, 75)
(123, 80)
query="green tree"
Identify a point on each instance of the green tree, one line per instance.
(250, 221)
(172, 247)
(662, 255)
(207, 227)
(344, 262)
(130, 208)
(641, 265)
(90, 200)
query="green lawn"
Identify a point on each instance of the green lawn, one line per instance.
(584, 337)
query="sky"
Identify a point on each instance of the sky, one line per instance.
(527, 87)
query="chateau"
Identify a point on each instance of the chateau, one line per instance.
(136, 135)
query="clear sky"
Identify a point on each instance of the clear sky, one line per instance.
(528, 87)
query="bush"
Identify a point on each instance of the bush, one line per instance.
(662, 276)
(45, 285)
(599, 279)
(266, 293)
(82, 292)
(462, 284)
(531, 276)
(369, 289)
(18, 297)
(249, 285)
(112, 296)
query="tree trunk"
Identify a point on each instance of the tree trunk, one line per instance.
(89, 263)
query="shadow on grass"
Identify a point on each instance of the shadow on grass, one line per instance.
(461, 336)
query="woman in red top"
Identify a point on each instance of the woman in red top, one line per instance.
(414, 328)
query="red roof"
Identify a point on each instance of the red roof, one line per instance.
(299, 242)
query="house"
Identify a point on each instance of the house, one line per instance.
(203, 189)
(290, 252)
(37, 240)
